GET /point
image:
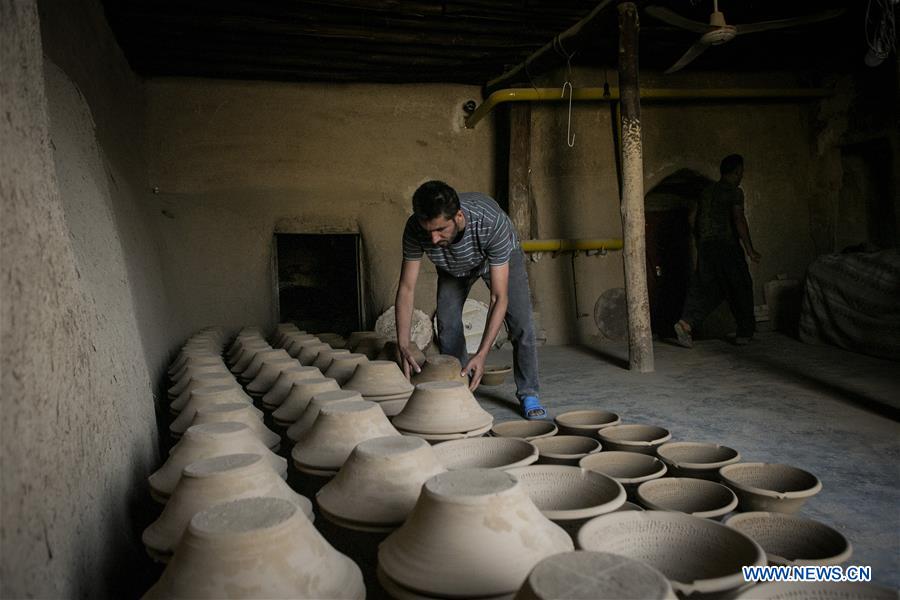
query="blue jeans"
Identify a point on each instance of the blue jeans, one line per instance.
(451, 295)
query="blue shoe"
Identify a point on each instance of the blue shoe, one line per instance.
(532, 409)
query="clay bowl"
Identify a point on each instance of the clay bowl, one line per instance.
(208, 396)
(629, 506)
(268, 374)
(828, 590)
(357, 336)
(286, 380)
(201, 380)
(252, 370)
(678, 545)
(309, 352)
(335, 340)
(464, 537)
(256, 548)
(241, 342)
(634, 438)
(299, 397)
(586, 422)
(379, 484)
(485, 453)
(436, 438)
(246, 356)
(306, 420)
(239, 412)
(340, 426)
(527, 430)
(697, 497)
(370, 346)
(191, 356)
(206, 441)
(441, 367)
(793, 540)
(696, 459)
(565, 449)
(389, 352)
(442, 407)
(211, 481)
(192, 371)
(585, 575)
(770, 487)
(494, 375)
(564, 493)
(325, 357)
(343, 366)
(295, 343)
(379, 378)
(203, 359)
(628, 468)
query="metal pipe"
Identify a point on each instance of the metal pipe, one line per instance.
(560, 245)
(650, 94)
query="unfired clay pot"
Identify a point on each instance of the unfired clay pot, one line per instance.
(255, 365)
(201, 380)
(190, 372)
(309, 416)
(586, 575)
(301, 393)
(370, 346)
(207, 396)
(441, 367)
(268, 374)
(379, 484)
(634, 438)
(696, 459)
(357, 336)
(325, 357)
(343, 366)
(379, 379)
(256, 548)
(335, 340)
(697, 497)
(770, 487)
(564, 493)
(628, 468)
(486, 453)
(240, 342)
(247, 355)
(202, 360)
(825, 590)
(436, 438)
(389, 352)
(793, 540)
(565, 449)
(678, 545)
(527, 430)
(442, 407)
(586, 422)
(211, 481)
(309, 352)
(472, 534)
(206, 441)
(239, 412)
(281, 332)
(295, 343)
(191, 356)
(495, 375)
(286, 380)
(340, 426)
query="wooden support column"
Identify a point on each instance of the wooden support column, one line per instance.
(521, 204)
(640, 340)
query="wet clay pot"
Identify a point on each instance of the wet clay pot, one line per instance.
(309, 416)
(594, 576)
(201, 380)
(564, 493)
(379, 484)
(208, 396)
(340, 426)
(325, 357)
(206, 441)
(678, 545)
(793, 540)
(485, 453)
(246, 356)
(697, 497)
(826, 590)
(343, 365)
(211, 481)
(309, 352)
(286, 380)
(256, 548)
(268, 374)
(586, 422)
(379, 379)
(191, 371)
(565, 449)
(634, 438)
(770, 487)
(441, 367)
(464, 537)
(252, 370)
(696, 459)
(527, 430)
(298, 399)
(239, 412)
(442, 407)
(628, 468)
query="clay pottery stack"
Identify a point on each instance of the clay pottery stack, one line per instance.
(443, 410)
(252, 370)
(379, 484)
(324, 358)
(193, 349)
(699, 556)
(243, 337)
(298, 398)
(202, 380)
(495, 375)
(628, 468)
(485, 453)
(343, 366)
(311, 413)
(268, 374)
(180, 383)
(309, 352)
(826, 590)
(211, 481)
(286, 380)
(335, 340)
(390, 352)
(594, 576)
(256, 548)
(207, 396)
(281, 331)
(770, 487)
(441, 367)
(370, 346)
(357, 336)
(248, 352)
(696, 459)
(565, 449)
(294, 343)
(793, 540)
(324, 448)
(206, 441)
(383, 382)
(586, 422)
(464, 538)
(239, 412)
(697, 497)
(527, 430)
(634, 438)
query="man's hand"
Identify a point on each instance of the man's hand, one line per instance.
(475, 369)
(754, 255)
(409, 363)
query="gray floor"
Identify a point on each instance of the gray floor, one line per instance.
(776, 400)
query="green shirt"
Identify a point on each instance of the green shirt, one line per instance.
(715, 221)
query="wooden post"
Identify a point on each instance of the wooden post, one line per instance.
(640, 340)
(521, 204)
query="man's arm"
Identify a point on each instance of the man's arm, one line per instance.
(743, 230)
(495, 316)
(403, 307)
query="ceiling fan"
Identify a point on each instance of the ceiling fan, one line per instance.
(718, 31)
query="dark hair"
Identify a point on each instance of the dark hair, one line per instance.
(434, 199)
(731, 163)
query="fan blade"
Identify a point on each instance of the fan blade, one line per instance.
(673, 18)
(782, 23)
(693, 52)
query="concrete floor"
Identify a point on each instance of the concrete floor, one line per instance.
(776, 400)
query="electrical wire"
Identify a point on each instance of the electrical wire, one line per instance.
(880, 28)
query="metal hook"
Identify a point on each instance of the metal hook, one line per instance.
(570, 137)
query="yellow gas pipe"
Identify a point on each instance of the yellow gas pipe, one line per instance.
(570, 245)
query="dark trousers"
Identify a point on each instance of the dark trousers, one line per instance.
(722, 274)
(451, 295)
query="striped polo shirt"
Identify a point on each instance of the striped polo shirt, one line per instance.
(487, 240)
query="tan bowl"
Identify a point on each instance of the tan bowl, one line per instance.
(295, 343)
(309, 352)
(252, 370)
(286, 380)
(586, 422)
(628, 468)
(371, 347)
(357, 336)
(527, 430)
(793, 540)
(201, 380)
(309, 416)
(826, 590)
(299, 397)
(442, 407)
(564, 493)
(189, 356)
(325, 357)
(268, 374)
(678, 545)
(495, 375)
(770, 487)
(343, 366)
(634, 438)
(436, 438)
(189, 372)
(246, 356)
(696, 459)
(565, 449)
(379, 378)
(239, 412)
(441, 367)
(486, 453)
(697, 497)
(202, 397)
(335, 340)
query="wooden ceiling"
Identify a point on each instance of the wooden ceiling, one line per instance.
(454, 41)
